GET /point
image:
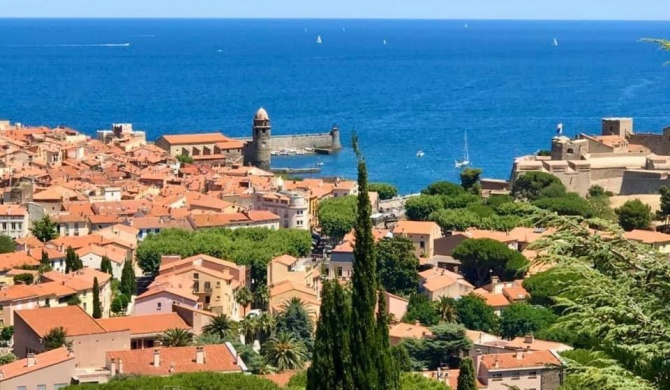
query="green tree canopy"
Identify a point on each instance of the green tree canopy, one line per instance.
(6, 358)
(221, 325)
(191, 381)
(55, 338)
(285, 352)
(596, 190)
(253, 247)
(419, 208)
(128, 284)
(184, 158)
(467, 376)
(397, 265)
(444, 347)
(295, 320)
(470, 180)
(23, 279)
(385, 190)
(411, 381)
(97, 309)
(337, 216)
(44, 229)
(176, 337)
(7, 244)
(106, 265)
(475, 314)
(569, 204)
(664, 211)
(455, 220)
(545, 286)
(421, 309)
(522, 319)
(634, 215)
(72, 261)
(600, 208)
(530, 185)
(484, 257)
(443, 188)
(446, 308)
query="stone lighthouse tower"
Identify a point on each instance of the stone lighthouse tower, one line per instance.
(260, 154)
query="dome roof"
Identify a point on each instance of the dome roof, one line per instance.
(261, 115)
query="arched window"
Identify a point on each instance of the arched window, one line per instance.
(571, 151)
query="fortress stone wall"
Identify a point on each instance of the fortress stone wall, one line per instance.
(618, 160)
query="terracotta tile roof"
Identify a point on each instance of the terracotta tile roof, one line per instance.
(347, 244)
(201, 138)
(515, 293)
(647, 236)
(73, 318)
(145, 324)
(43, 360)
(533, 344)
(218, 358)
(506, 361)
(12, 210)
(36, 253)
(15, 260)
(494, 300)
(416, 227)
(411, 331)
(180, 292)
(286, 260)
(80, 280)
(79, 242)
(112, 252)
(104, 219)
(287, 285)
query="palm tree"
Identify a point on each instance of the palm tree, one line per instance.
(262, 296)
(284, 353)
(55, 338)
(247, 328)
(221, 325)
(244, 297)
(446, 306)
(176, 337)
(266, 325)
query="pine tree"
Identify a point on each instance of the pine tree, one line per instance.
(368, 353)
(97, 310)
(466, 376)
(128, 286)
(45, 258)
(331, 358)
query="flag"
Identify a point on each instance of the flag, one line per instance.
(559, 128)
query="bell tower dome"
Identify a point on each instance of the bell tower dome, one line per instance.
(261, 133)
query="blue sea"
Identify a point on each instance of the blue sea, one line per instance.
(502, 82)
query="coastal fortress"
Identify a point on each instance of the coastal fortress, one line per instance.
(618, 159)
(216, 148)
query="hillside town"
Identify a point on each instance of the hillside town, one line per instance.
(125, 258)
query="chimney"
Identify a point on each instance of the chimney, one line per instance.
(519, 353)
(120, 366)
(494, 280)
(32, 360)
(529, 339)
(417, 323)
(112, 367)
(199, 355)
(157, 358)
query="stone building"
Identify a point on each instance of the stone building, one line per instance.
(618, 159)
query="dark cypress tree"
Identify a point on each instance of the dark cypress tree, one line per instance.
(466, 376)
(367, 353)
(45, 258)
(78, 264)
(97, 310)
(128, 286)
(70, 259)
(389, 369)
(331, 360)
(106, 265)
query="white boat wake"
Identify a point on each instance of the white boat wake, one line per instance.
(77, 45)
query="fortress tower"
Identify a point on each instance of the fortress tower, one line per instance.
(335, 138)
(260, 144)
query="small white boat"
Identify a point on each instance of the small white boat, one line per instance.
(420, 154)
(384, 42)
(465, 161)
(554, 43)
(318, 39)
(319, 164)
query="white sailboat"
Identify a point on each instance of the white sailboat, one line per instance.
(465, 161)
(555, 43)
(318, 39)
(420, 154)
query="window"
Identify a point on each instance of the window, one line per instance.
(422, 244)
(4, 226)
(496, 377)
(20, 388)
(208, 299)
(159, 306)
(532, 374)
(59, 386)
(196, 276)
(339, 271)
(299, 223)
(84, 305)
(13, 225)
(208, 286)
(515, 375)
(299, 212)
(41, 387)
(196, 286)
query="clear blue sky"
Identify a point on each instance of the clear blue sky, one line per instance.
(434, 9)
